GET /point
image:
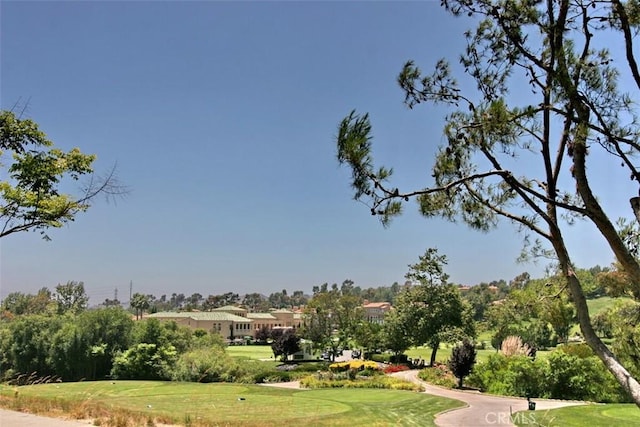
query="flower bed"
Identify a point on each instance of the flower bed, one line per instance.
(390, 369)
(355, 365)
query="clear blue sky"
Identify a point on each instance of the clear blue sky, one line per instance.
(221, 117)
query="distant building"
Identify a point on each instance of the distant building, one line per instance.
(232, 322)
(374, 311)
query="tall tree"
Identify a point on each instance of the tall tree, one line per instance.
(285, 343)
(71, 297)
(576, 114)
(30, 196)
(463, 357)
(432, 311)
(139, 303)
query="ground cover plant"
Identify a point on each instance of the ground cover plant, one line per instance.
(579, 416)
(199, 404)
(438, 375)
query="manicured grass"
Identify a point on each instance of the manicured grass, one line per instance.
(444, 353)
(580, 416)
(250, 351)
(235, 405)
(600, 304)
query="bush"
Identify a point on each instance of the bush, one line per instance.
(463, 357)
(398, 359)
(383, 382)
(580, 350)
(559, 376)
(355, 365)
(145, 362)
(207, 365)
(511, 376)
(390, 369)
(378, 357)
(582, 378)
(438, 375)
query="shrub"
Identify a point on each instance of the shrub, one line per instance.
(208, 365)
(513, 346)
(463, 357)
(580, 350)
(383, 382)
(400, 358)
(145, 362)
(511, 376)
(390, 369)
(438, 375)
(356, 365)
(559, 376)
(582, 378)
(377, 357)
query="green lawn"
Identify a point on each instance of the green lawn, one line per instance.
(600, 304)
(444, 353)
(579, 416)
(250, 351)
(241, 405)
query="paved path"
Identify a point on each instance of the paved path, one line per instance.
(21, 419)
(482, 409)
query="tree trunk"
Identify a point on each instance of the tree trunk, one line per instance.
(635, 205)
(599, 218)
(622, 375)
(434, 351)
(460, 382)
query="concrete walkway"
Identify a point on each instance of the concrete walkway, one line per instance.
(482, 409)
(22, 419)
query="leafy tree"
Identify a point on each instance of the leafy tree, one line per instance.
(280, 299)
(576, 114)
(139, 303)
(145, 362)
(480, 298)
(285, 343)
(194, 301)
(368, 336)
(298, 299)
(28, 347)
(16, 303)
(178, 300)
(318, 323)
(602, 323)
(255, 302)
(263, 334)
(523, 313)
(31, 197)
(615, 282)
(163, 334)
(432, 311)
(109, 331)
(625, 325)
(396, 336)
(463, 357)
(520, 281)
(71, 297)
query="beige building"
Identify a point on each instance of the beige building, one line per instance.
(232, 322)
(374, 311)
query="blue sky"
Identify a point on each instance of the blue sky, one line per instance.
(221, 117)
